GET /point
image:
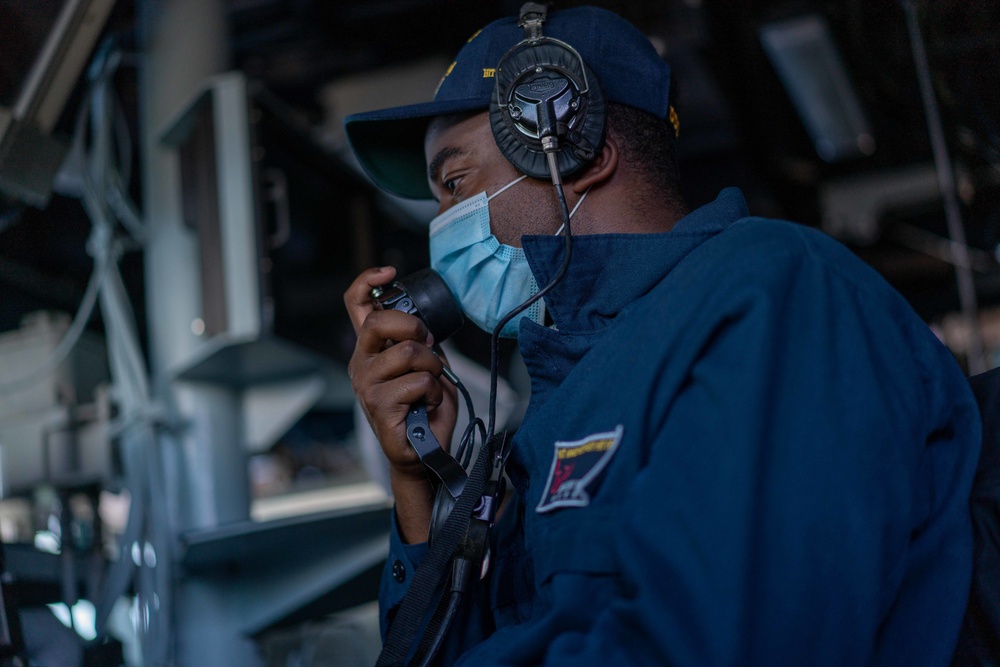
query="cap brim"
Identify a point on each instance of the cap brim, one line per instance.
(389, 143)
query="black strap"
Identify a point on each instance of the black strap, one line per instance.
(434, 457)
(466, 568)
(428, 576)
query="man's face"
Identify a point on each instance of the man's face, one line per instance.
(463, 160)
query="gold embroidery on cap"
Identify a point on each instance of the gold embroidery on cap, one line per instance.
(489, 72)
(445, 76)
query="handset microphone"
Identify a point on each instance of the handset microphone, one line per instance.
(426, 295)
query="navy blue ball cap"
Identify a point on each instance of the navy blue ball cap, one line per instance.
(389, 143)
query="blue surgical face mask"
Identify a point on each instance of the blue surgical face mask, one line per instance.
(489, 279)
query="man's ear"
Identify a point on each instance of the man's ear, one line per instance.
(600, 170)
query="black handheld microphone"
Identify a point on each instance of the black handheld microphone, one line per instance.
(426, 295)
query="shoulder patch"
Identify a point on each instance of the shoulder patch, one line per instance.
(574, 466)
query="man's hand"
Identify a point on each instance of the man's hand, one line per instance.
(391, 369)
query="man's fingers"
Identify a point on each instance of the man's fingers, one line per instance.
(402, 358)
(358, 297)
(391, 325)
(392, 399)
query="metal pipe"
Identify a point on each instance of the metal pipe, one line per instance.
(946, 180)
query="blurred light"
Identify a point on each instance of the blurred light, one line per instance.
(149, 554)
(806, 60)
(47, 541)
(84, 618)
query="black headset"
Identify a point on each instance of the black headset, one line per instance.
(546, 99)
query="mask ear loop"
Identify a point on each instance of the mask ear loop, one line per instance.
(507, 187)
(560, 230)
(580, 201)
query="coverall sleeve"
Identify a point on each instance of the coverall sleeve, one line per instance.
(400, 565)
(805, 500)
(397, 573)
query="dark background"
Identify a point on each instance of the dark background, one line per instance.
(738, 127)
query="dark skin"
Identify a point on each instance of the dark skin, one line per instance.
(388, 378)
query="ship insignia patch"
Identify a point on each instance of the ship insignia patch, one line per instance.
(575, 465)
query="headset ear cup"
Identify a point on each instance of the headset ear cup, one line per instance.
(584, 127)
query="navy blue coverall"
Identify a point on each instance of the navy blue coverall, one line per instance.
(742, 447)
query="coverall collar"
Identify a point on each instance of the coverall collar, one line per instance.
(609, 271)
